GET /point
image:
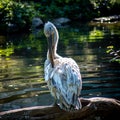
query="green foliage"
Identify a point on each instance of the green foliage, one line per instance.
(7, 51)
(115, 54)
(106, 7)
(21, 12)
(17, 13)
(95, 34)
(73, 9)
(78, 9)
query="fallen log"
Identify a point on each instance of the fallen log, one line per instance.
(97, 108)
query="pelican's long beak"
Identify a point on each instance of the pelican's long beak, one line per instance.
(50, 48)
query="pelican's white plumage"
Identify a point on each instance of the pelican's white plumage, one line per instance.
(61, 74)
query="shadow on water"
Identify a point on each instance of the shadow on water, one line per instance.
(22, 59)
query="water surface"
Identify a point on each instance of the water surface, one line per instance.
(22, 59)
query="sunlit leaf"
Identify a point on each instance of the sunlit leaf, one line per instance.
(95, 34)
(110, 47)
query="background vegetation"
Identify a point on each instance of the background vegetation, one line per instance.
(20, 12)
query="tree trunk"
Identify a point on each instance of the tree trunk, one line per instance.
(97, 108)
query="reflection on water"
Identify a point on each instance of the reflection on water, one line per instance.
(22, 58)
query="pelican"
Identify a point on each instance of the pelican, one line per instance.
(62, 74)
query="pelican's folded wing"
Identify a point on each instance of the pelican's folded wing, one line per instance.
(68, 82)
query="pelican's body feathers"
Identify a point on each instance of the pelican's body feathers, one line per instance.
(64, 80)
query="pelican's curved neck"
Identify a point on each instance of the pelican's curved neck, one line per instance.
(55, 38)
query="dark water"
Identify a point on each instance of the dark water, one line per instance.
(22, 58)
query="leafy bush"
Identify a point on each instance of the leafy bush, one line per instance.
(21, 13)
(16, 13)
(73, 9)
(78, 9)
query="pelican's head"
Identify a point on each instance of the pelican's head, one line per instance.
(51, 33)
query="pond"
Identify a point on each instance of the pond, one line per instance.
(22, 59)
